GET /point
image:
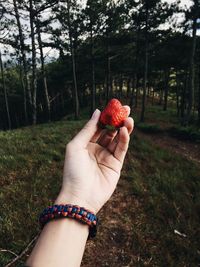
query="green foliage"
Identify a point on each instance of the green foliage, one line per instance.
(157, 114)
(185, 133)
(108, 42)
(149, 128)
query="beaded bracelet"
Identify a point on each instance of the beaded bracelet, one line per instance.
(70, 211)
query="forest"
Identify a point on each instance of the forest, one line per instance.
(60, 57)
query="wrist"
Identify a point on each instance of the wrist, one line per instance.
(74, 212)
(69, 198)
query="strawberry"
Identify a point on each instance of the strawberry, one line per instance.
(113, 115)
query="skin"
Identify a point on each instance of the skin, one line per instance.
(93, 163)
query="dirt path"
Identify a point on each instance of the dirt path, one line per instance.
(113, 245)
(185, 148)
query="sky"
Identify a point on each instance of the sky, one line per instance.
(52, 53)
(179, 18)
(183, 2)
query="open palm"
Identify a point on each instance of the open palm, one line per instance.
(93, 163)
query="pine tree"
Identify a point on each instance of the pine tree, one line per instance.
(43, 71)
(5, 92)
(25, 82)
(68, 13)
(192, 15)
(93, 22)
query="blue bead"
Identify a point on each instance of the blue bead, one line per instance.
(74, 210)
(60, 208)
(51, 210)
(81, 212)
(65, 209)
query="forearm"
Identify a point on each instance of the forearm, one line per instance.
(91, 172)
(61, 243)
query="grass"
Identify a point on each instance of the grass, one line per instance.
(31, 163)
(166, 185)
(158, 115)
(159, 121)
(149, 128)
(185, 133)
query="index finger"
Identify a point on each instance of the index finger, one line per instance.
(122, 145)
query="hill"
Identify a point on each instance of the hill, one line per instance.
(155, 208)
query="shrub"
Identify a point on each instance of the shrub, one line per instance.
(149, 128)
(185, 133)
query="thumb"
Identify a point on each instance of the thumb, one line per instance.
(84, 136)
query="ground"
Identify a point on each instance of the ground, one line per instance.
(121, 241)
(187, 149)
(151, 220)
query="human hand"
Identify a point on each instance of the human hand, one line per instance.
(93, 162)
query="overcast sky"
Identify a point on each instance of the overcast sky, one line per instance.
(183, 3)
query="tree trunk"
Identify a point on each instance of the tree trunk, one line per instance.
(177, 102)
(183, 100)
(120, 86)
(93, 106)
(24, 93)
(62, 103)
(137, 92)
(5, 92)
(46, 93)
(192, 70)
(152, 99)
(199, 98)
(161, 97)
(148, 91)
(145, 68)
(177, 95)
(34, 66)
(76, 98)
(128, 87)
(23, 55)
(167, 73)
(199, 108)
(107, 87)
(131, 103)
(110, 85)
(135, 77)
(108, 74)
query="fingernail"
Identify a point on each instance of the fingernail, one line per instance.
(96, 114)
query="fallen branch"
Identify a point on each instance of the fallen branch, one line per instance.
(7, 250)
(22, 253)
(179, 233)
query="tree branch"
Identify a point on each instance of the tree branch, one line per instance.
(9, 251)
(44, 7)
(22, 253)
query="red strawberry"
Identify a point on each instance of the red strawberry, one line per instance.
(114, 114)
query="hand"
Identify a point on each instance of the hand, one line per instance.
(93, 162)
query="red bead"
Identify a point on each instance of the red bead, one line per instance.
(78, 216)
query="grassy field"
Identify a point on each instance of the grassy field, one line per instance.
(166, 185)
